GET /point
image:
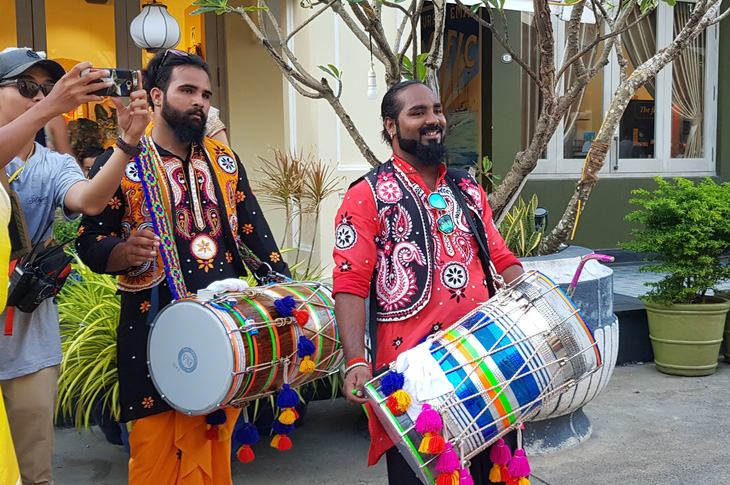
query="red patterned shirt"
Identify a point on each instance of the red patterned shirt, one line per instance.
(366, 238)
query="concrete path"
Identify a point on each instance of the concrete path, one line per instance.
(648, 429)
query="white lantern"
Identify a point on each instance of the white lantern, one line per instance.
(154, 28)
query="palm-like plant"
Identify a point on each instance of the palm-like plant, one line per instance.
(89, 313)
(519, 231)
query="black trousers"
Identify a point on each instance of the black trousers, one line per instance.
(400, 473)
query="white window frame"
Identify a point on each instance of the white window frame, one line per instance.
(556, 166)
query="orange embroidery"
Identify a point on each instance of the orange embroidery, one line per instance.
(205, 264)
(247, 228)
(100, 237)
(240, 196)
(81, 230)
(115, 203)
(144, 307)
(229, 256)
(275, 257)
(148, 402)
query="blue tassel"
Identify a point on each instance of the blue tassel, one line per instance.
(216, 418)
(280, 428)
(391, 382)
(247, 434)
(285, 305)
(287, 398)
(306, 347)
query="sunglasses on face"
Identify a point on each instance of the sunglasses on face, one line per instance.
(444, 223)
(28, 88)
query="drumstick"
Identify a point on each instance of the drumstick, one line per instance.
(602, 257)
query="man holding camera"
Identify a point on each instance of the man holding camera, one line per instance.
(199, 193)
(32, 91)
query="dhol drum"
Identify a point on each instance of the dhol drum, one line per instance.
(489, 372)
(236, 347)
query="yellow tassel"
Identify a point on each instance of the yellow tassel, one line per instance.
(287, 416)
(424, 443)
(307, 366)
(223, 434)
(523, 481)
(495, 474)
(403, 400)
(275, 441)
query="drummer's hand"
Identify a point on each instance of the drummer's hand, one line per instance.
(355, 381)
(141, 247)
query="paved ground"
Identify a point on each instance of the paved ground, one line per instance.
(648, 429)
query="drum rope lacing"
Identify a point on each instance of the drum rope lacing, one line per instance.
(549, 390)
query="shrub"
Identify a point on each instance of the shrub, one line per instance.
(687, 227)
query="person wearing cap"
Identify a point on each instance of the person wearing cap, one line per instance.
(32, 91)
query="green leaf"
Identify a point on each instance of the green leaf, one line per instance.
(254, 9)
(327, 71)
(475, 8)
(355, 1)
(203, 10)
(337, 74)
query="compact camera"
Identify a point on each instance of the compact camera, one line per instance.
(37, 277)
(125, 82)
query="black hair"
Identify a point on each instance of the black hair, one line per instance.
(158, 72)
(392, 106)
(90, 151)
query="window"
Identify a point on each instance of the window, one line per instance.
(668, 127)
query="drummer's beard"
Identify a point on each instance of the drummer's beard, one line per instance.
(187, 126)
(433, 153)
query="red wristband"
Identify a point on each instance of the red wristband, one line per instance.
(355, 360)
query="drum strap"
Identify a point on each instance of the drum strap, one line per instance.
(477, 228)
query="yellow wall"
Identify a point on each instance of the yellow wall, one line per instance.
(81, 31)
(9, 33)
(181, 9)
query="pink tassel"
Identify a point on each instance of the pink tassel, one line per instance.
(448, 462)
(519, 466)
(429, 421)
(465, 477)
(499, 453)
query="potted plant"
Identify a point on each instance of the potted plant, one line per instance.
(687, 229)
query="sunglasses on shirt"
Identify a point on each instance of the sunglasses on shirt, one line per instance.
(28, 88)
(445, 224)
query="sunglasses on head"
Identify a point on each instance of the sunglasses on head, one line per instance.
(444, 223)
(174, 52)
(28, 88)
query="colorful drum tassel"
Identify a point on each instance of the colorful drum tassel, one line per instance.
(391, 385)
(302, 316)
(465, 477)
(214, 429)
(448, 464)
(285, 306)
(500, 455)
(429, 423)
(284, 424)
(305, 350)
(519, 468)
(247, 435)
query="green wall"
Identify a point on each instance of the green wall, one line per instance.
(602, 223)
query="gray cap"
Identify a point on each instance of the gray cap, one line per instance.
(15, 62)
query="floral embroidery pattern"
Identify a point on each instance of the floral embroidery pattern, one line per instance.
(247, 228)
(144, 307)
(274, 257)
(436, 327)
(205, 264)
(458, 294)
(229, 256)
(240, 196)
(100, 237)
(148, 402)
(115, 203)
(81, 230)
(345, 266)
(397, 342)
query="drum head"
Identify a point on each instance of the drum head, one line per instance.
(190, 357)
